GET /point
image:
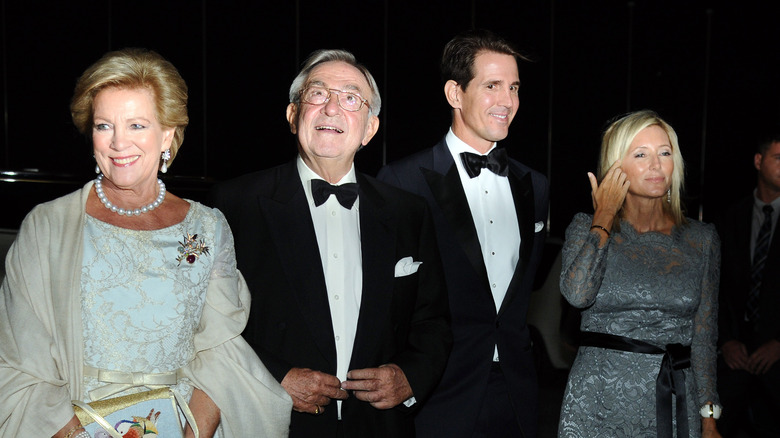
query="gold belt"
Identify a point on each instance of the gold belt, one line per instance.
(118, 381)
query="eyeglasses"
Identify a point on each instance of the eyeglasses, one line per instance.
(316, 95)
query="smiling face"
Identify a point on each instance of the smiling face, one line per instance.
(483, 111)
(127, 139)
(327, 134)
(649, 163)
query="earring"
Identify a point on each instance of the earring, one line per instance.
(166, 155)
(97, 168)
(669, 196)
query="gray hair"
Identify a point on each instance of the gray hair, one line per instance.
(321, 56)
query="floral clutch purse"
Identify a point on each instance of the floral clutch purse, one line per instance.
(148, 414)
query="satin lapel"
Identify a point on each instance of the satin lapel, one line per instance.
(451, 200)
(523, 196)
(377, 245)
(292, 229)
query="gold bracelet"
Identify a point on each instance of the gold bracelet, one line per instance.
(73, 429)
(600, 228)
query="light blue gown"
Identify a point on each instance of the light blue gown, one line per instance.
(141, 299)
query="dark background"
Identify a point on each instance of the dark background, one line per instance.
(709, 69)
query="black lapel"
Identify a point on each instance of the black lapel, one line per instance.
(290, 223)
(377, 243)
(451, 200)
(768, 296)
(774, 245)
(523, 196)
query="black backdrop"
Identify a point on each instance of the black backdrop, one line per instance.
(707, 68)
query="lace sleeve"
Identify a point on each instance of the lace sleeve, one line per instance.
(224, 251)
(705, 334)
(583, 262)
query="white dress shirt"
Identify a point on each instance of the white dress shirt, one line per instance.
(338, 238)
(493, 211)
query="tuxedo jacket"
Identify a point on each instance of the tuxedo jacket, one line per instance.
(402, 320)
(477, 326)
(735, 283)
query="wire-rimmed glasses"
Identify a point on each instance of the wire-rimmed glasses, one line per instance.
(348, 101)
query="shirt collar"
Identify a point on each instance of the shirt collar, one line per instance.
(306, 175)
(456, 146)
(759, 204)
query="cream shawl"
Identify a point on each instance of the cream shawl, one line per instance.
(41, 345)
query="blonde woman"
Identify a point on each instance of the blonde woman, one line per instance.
(646, 279)
(122, 283)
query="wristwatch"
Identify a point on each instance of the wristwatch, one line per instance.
(711, 411)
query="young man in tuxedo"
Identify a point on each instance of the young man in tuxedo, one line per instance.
(349, 309)
(489, 212)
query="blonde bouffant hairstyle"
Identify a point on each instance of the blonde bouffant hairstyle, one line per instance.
(134, 68)
(616, 141)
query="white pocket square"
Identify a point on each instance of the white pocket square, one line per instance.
(538, 226)
(406, 266)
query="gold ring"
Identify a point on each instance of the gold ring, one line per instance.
(317, 410)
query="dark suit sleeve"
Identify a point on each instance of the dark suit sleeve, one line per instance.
(388, 175)
(232, 202)
(727, 328)
(770, 286)
(430, 338)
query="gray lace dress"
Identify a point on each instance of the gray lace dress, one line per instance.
(657, 288)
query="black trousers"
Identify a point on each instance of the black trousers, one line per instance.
(497, 418)
(751, 403)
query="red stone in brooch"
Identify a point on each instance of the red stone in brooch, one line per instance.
(191, 249)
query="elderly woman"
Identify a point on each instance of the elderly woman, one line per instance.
(647, 280)
(123, 277)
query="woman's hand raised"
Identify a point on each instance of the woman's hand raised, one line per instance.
(608, 196)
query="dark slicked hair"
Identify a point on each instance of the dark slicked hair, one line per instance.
(457, 61)
(766, 141)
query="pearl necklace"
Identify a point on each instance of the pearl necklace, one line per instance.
(137, 212)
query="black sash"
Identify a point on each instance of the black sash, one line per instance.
(670, 380)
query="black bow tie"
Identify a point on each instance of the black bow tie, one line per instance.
(345, 193)
(495, 162)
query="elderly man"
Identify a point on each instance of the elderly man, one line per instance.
(489, 213)
(349, 310)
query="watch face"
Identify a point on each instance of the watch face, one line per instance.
(710, 411)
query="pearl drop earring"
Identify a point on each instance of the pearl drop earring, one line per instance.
(166, 155)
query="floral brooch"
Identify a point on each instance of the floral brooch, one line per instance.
(191, 249)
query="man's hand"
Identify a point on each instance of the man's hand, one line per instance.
(312, 390)
(735, 355)
(764, 357)
(384, 387)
